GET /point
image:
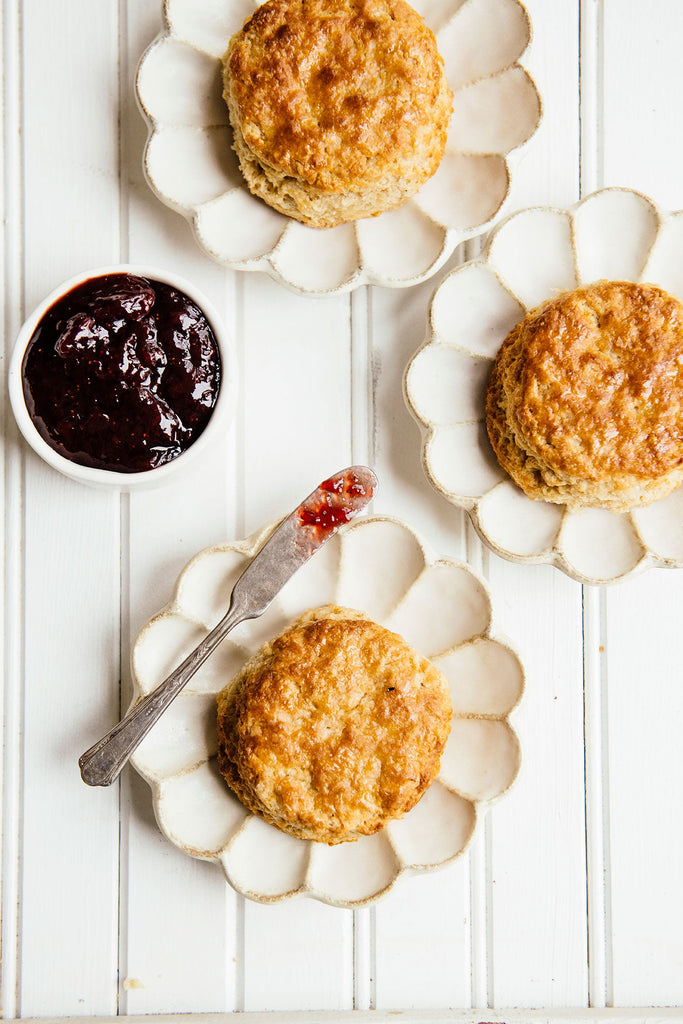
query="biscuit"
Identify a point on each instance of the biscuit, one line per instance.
(334, 728)
(584, 405)
(339, 108)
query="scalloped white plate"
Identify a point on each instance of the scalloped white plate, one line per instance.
(191, 167)
(378, 566)
(615, 233)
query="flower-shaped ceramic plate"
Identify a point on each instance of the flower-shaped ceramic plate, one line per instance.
(191, 167)
(613, 234)
(380, 567)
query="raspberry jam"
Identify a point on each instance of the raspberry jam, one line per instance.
(122, 373)
(337, 500)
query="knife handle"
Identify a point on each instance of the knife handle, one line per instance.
(103, 762)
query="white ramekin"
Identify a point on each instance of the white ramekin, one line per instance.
(215, 428)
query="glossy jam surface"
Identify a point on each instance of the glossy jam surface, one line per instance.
(122, 373)
(338, 500)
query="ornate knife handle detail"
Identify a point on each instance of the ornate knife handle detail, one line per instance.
(103, 762)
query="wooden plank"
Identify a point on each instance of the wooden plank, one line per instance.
(501, 950)
(297, 400)
(179, 939)
(421, 955)
(297, 395)
(642, 78)
(398, 326)
(70, 835)
(283, 441)
(298, 956)
(641, 74)
(11, 557)
(644, 701)
(536, 921)
(538, 846)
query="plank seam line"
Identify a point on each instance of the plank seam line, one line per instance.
(240, 413)
(239, 938)
(122, 149)
(591, 94)
(361, 398)
(594, 800)
(596, 814)
(606, 803)
(364, 980)
(122, 864)
(239, 994)
(14, 611)
(123, 783)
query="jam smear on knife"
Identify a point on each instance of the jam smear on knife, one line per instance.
(336, 501)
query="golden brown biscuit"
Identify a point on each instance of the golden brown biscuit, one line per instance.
(334, 728)
(585, 401)
(339, 108)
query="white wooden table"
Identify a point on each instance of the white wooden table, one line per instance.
(572, 894)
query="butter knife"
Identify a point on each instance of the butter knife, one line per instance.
(315, 520)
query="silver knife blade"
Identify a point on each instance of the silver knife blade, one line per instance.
(336, 501)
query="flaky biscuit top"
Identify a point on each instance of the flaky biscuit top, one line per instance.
(601, 381)
(336, 727)
(339, 93)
